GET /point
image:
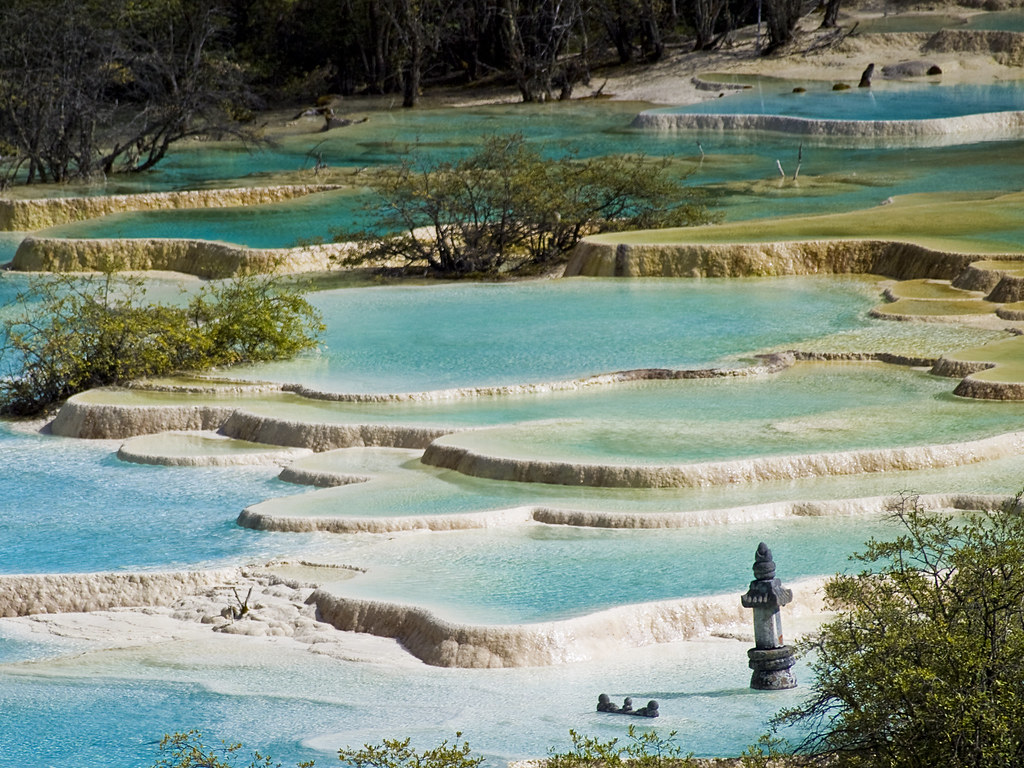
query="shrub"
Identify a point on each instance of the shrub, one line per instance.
(507, 208)
(395, 753)
(644, 749)
(75, 333)
(925, 664)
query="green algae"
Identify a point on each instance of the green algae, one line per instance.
(932, 290)
(1006, 357)
(935, 308)
(970, 225)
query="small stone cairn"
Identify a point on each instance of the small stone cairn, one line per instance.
(770, 658)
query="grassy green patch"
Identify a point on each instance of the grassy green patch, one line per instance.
(1006, 355)
(932, 290)
(969, 225)
(935, 308)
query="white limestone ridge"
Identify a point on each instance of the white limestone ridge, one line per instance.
(203, 449)
(323, 436)
(446, 453)
(605, 633)
(37, 213)
(203, 258)
(24, 595)
(769, 363)
(941, 131)
(257, 518)
(80, 417)
(99, 421)
(601, 256)
(263, 516)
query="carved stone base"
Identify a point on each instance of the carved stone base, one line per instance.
(772, 668)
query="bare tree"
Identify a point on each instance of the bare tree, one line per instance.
(831, 18)
(537, 35)
(704, 15)
(91, 87)
(781, 17)
(634, 27)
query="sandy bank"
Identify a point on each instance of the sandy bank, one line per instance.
(835, 56)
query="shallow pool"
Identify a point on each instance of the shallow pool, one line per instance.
(882, 101)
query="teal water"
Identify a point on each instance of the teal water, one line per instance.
(497, 577)
(882, 101)
(1003, 21)
(277, 225)
(406, 339)
(71, 506)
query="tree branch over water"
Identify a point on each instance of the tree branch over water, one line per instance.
(506, 208)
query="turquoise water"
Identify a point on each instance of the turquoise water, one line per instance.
(498, 577)
(781, 416)
(71, 506)
(88, 715)
(882, 101)
(277, 225)
(408, 339)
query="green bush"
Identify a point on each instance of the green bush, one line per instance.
(396, 753)
(644, 749)
(924, 665)
(186, 749)
(75, 333)
(506, 208)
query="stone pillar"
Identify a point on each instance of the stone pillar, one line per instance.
(770, 658)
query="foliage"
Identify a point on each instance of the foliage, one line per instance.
(925, 664)
(187, 750)
(395, 753)
(507, 208)
(645, 749)
(76, 333)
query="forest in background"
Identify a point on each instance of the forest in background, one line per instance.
(94, 87)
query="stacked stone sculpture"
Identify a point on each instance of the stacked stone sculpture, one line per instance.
(770, 659)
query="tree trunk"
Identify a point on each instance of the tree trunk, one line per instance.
(831, 14)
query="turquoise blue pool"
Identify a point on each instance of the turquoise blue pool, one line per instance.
(69, 506)
(882, 101)
(403, 338)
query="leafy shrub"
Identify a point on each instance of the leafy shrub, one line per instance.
(644, 749)
(396, 753)
(186, 749)
(75, 333)
(925, 664)
(507, 208)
